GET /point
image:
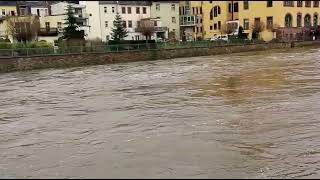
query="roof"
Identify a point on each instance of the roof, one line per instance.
(133, 3)
(34, 3)
(7, 3)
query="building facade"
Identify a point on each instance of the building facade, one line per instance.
(102, 14)
(168, 14)
(191, 20)
(291, 17)
(7, 8)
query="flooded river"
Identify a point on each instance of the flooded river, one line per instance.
(246, 115)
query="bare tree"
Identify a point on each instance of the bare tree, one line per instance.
(22, 28)
(146, 27)
(229, 28)
(257, 28)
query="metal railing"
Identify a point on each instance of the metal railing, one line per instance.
(17, 52)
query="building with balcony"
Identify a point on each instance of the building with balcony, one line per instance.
(102, 14)
(152, 27)
(168, 14)
(51, 27)
(190, 13)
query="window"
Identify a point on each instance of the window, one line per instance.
(219, 24)
(13, 13)
(3, 12)
(230, 8)
(245, 4)
(197, 29)
(200, 29)
(315, 20)
(144, 10)
(173, 19)
(269, 3)
(173, 7)
(315, 3)
(22, 11)
(269, 22)
(105, 9)
(112, 9)
(38, 12)
(210, 2)
(158, 6)
(210, 27)
(288, 20)
(46, 12)
(106, 23)
(124, 24)
(288, 3)
(47, 26)
(308, 3)
(299, 3)
(299, 20)
(236, 7)
(129, 10)
(200, 10)
(107, 37)
(245, 24)
(215, 26)
(59, 24)
(138, 23)
(123, 10)
(137, 37)
(155, 23)
(137, 10)
(130, 24)
(307, 20)
(201, 20)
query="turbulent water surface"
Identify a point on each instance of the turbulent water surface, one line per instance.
(247, 115)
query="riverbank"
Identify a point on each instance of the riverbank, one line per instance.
(22, 63)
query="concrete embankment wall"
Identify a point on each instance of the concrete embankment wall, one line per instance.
(71, 60)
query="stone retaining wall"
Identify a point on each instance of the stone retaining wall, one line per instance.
(71, 60)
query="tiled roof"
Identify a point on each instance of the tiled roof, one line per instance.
(7, 3)
(137, 3)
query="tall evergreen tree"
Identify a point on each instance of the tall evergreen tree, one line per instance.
(71, 30)
(119, 32)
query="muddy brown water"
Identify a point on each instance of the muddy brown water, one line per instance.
(246, 115)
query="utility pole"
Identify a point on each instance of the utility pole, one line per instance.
(232, 10)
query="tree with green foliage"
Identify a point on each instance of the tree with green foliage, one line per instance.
(71, 31)
(119, 32)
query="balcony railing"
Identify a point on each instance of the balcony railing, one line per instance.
(188, 20)
(161, 29)
(48, 32)
(155, 29)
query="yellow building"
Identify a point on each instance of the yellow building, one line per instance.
(7, 8)
(272, 14)
(278, 14)
(216, 14)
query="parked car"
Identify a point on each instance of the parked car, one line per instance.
(220, 38)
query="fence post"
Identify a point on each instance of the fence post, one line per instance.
(117, 48)
(27, 52)
(12, 54)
